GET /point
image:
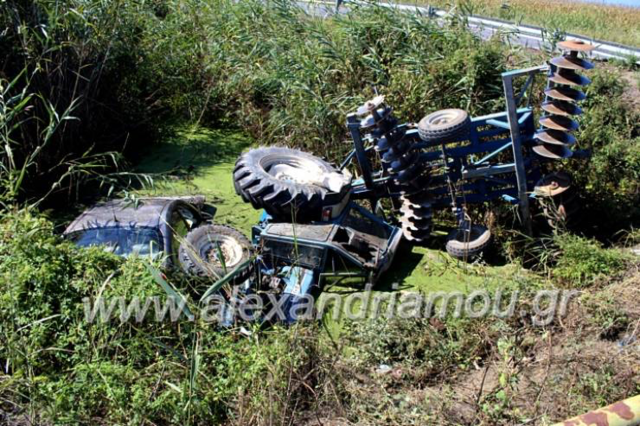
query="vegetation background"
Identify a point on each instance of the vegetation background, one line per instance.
(87, 86)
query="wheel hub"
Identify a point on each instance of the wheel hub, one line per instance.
(444, 117)
(305, 173)
(229, 248)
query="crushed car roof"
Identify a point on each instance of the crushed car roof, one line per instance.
(144, 212)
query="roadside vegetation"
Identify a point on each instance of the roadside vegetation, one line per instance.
(89, 88)
(591, 19)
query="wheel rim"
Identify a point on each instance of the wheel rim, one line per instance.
(442, 118)
(231, 250)
(296, 170)
(303, 171)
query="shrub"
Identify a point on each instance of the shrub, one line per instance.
(609, 180)
(63, 369)
(582, 261)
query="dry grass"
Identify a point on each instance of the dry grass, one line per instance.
(611, 23)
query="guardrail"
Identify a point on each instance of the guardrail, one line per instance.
(529, 35)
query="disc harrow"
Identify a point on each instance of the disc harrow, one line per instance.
(402, 162)
(561, 97)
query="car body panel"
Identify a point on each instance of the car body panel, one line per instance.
(148, 212)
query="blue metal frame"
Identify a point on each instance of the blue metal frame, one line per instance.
(479, 166)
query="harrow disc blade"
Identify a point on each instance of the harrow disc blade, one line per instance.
(382, 145)
(404, 162)
(398, 151)
(409, 174)
(370, 120)
(553, 184)
(415, 223)
(565, 94)
(555, 137)
(370, 105)
(563, 108)
(389, 141)
(420, 200)
(557, 122)
(421, 238)
(418, 213)
(576, 46)
(569, 78)
(415, 229)
(555, 152)
(571, 63)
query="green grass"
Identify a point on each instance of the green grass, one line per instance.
(603, 22)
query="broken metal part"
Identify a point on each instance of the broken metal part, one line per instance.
(555, 152)
(571, 63)
(564, 108)
(555, 137)
(565, 94)
(557, 122)
(569, 78)
(553, 184)
(576, 46)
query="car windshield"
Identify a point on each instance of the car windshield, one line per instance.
(121, 241)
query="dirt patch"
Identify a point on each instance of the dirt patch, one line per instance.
(631, 95)
(562, 369)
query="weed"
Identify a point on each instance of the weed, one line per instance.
(582, 261)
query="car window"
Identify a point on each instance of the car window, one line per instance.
(121, 241)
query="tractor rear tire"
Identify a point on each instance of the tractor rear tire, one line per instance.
(467, 246)
(444, 126)
(289, 184)
(199, 252)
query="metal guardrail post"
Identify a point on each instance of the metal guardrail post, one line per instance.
(622, 413)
